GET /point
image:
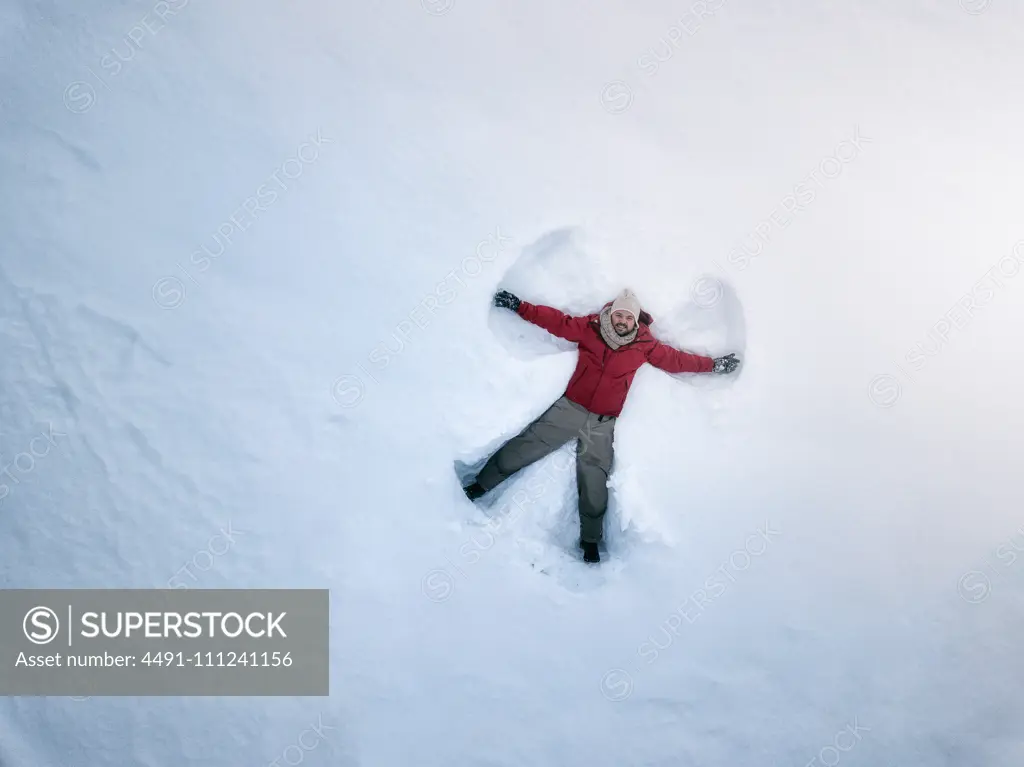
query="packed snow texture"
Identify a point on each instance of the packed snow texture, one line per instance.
(249, 253)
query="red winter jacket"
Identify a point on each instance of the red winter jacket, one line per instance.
(603, 377)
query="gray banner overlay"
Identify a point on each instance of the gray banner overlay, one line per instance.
(94, 642)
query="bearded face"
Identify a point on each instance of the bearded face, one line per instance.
(623, 322)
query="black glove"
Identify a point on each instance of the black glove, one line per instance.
(726, 364)
(506, 300)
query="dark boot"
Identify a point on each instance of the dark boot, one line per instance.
(474, 491)
(590, 553)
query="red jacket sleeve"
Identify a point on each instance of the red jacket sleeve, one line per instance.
(674, 361)
(554, 321)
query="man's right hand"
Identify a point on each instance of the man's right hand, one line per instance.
(726, 364)
(506, 300)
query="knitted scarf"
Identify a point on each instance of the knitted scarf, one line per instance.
(613, 339)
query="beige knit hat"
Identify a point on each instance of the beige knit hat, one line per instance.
(628, 302)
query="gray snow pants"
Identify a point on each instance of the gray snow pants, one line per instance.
(563, 421)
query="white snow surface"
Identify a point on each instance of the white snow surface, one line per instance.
(813, 560)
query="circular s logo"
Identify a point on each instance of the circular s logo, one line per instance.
(706, 292)
(41, 625)
(617, 685)
(169, 292)
(884, 390)
(974, 587)
(79, 97)
(616, 97)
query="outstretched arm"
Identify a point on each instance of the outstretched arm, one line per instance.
(675, 361)
(552, 320)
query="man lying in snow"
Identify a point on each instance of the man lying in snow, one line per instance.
(612, 346)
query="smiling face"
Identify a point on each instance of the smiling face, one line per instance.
(623, 322)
